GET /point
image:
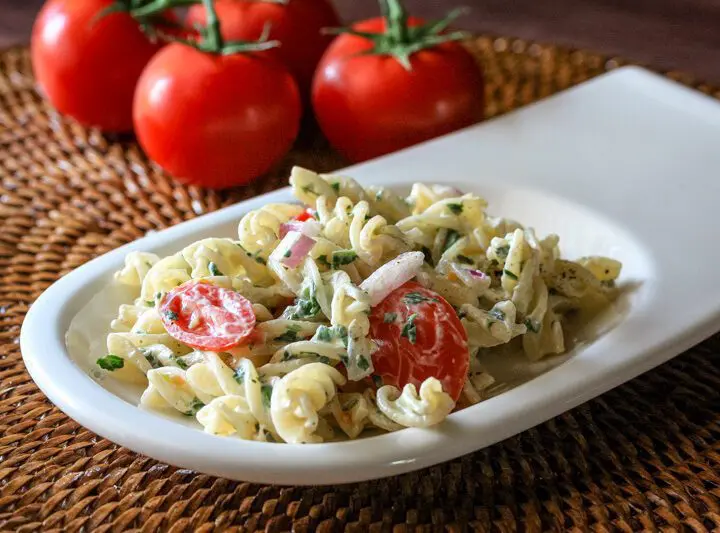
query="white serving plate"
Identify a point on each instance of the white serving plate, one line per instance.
(625, 165)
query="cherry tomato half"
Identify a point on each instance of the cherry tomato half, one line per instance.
(419, 336)
(87, 66)
(207, 317)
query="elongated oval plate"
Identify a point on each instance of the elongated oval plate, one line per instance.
(625, 165)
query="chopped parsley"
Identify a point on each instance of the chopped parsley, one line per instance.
(290, 335)
(377, 380)
(324, 360)
(336, 186)
(428, 255)
(327, 334)
(379, 195)
(150, 303)
(179, 362)
(151, 358)
(414, 298)
(451, 238)
(287, 356)
(194, 407)
(389, 318)
(497, 314)
(464, 259)
(363, 363)
(510, 274)
(266, 392)
(260, 260)
(409, 330)
(502, 251)
(343, 257)
(455, 209)
(171, 315)
(214, 270)
(533, 325)
(111, 362)
(239, 375)
(323, 260)
(306, 306)
(288, 253)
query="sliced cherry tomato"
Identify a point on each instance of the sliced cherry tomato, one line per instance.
(207, 317)
(419, 336)
(305, 215)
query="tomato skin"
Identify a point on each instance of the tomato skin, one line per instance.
(440, 349)
(224, 317)
(88, 67)
(297, 25)
(370, 105)
(215, 120)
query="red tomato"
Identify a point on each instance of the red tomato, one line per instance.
(419, 336)
(215, 120)
(370, 105)
(87, 67)
(207, 317)
(305, 215)
(297, 24)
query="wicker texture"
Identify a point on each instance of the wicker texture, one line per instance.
(645, 456)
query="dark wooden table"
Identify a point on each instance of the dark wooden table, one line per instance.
(666, 34)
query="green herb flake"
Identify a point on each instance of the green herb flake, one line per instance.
(414, 298)
(455, 209)
(451, 238)
(377, 380)
(510, 274)
(409, 330)
(171, 315)
(464, 259)
(336, 186)
(379, 195)
(324, 360)
(533, 325)
(194, 407)
(502, 251)
(290, 335)
(389, 318)
(323, 334)
(288, 253)
(266, 392)
(239, 375)
(343, 257)
(150, 303)
(309, 190)
(213, 269)
(260, 260)
(362, 363)
(179, 362)
(323, 260)
(111, 362)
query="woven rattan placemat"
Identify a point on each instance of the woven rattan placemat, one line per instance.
(645, 456)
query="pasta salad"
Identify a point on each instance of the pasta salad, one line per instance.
(355, 309)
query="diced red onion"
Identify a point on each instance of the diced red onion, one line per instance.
(298, 246)
(392, 275)
(311, 228)
(476, 273)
